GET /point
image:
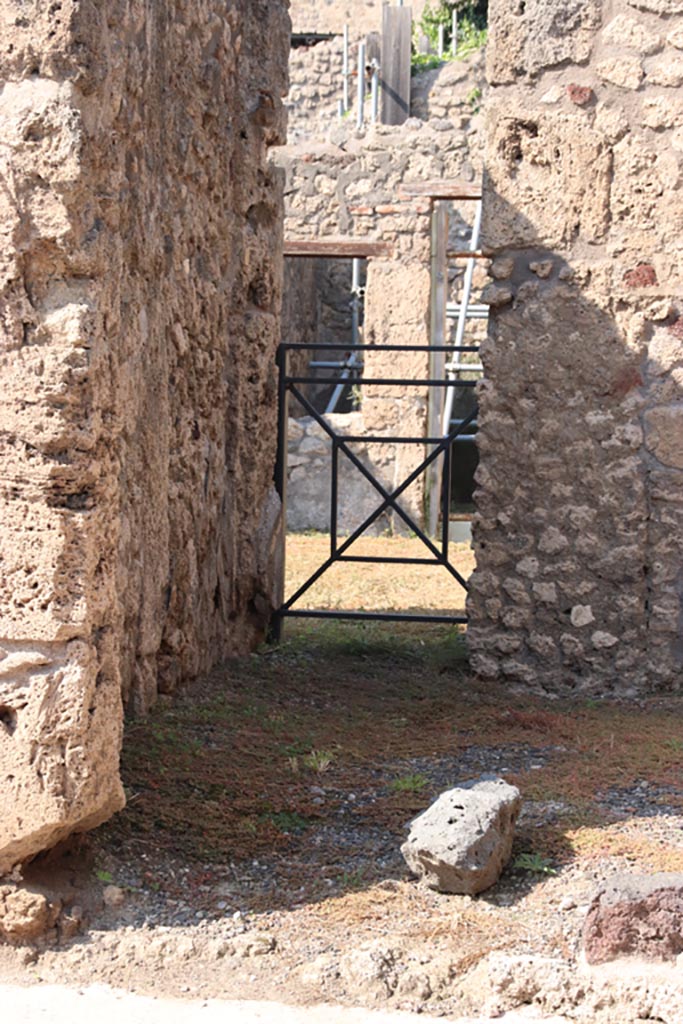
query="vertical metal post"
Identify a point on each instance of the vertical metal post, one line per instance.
(462, 316)
(340, 111)
(334, 498)
(361, 84)
(345, 70)
(280, 476)
(355, 336)
(446, 500)
(454, 34)
(437, 336)
(442, 29)
(375, 93)
(355, 300)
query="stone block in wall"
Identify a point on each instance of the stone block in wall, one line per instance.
(548, 177)
(309, 479)
(529, 36)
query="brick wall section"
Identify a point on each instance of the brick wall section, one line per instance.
(140, 286)
(579, 537)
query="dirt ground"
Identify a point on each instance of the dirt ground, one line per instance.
(258, 856)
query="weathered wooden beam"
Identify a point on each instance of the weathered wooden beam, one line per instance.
(446, 189)
(341, 245)
(469, 254)
(397, 29)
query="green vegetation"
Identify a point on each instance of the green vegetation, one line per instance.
(472, 19)
(318, 760)
(534, 863)
(409, 783)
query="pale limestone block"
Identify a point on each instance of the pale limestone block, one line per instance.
(545, 592)
(664, 434)
(542, 268)
(612, 122)
(658, 6)
(675, 37)
(496, 295)
(626, 72)
(555, 94)
(667, 73)
(660, 112)
(664, 352)
(528, 567)
(295, 430)
(624, 31)
(581, 615)
(602, 640)
(502, 268)
(552, 541)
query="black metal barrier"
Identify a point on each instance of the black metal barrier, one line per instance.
(441, 447)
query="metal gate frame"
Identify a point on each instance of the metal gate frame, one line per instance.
(441, 449)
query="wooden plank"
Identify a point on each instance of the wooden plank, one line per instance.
(465, 254)
(340, 245)
(446, 189)
(397, 27)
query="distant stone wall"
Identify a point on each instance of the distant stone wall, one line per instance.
(579, 537)
(351, 185)
(316, 87)
(453, 91)
(309, 474)
(140, 288)
(362, 16)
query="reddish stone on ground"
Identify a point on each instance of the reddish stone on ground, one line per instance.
(636, 916)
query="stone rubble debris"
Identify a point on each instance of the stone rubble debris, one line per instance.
(463, 841)
(636, 916)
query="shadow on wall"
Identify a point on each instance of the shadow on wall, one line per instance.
(579, 532)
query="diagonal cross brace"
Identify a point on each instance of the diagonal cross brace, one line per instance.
(389, 499)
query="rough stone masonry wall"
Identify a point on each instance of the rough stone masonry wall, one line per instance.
(579, 538)
(352, 185)
(139, 294)
(362, 16)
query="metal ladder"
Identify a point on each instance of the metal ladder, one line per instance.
(353, 362)
(465, 311)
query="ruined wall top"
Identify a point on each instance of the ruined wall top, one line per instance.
(362, 16)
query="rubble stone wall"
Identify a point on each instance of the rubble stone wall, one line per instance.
(351, 185)
(139, 286)
(579, 538)
(362, 16)
(452, 91)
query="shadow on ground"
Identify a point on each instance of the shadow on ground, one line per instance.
(288, 777)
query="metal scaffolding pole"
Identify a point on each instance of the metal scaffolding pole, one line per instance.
(453, 367)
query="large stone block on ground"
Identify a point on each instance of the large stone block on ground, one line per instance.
(636, 916)
(462, 842)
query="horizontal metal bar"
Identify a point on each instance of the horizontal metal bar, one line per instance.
(314, 346)
(319, 365)
(386, 382)
(464, 368)
(389, 560)
(450, 620)
(387, 439)
(473, 307)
